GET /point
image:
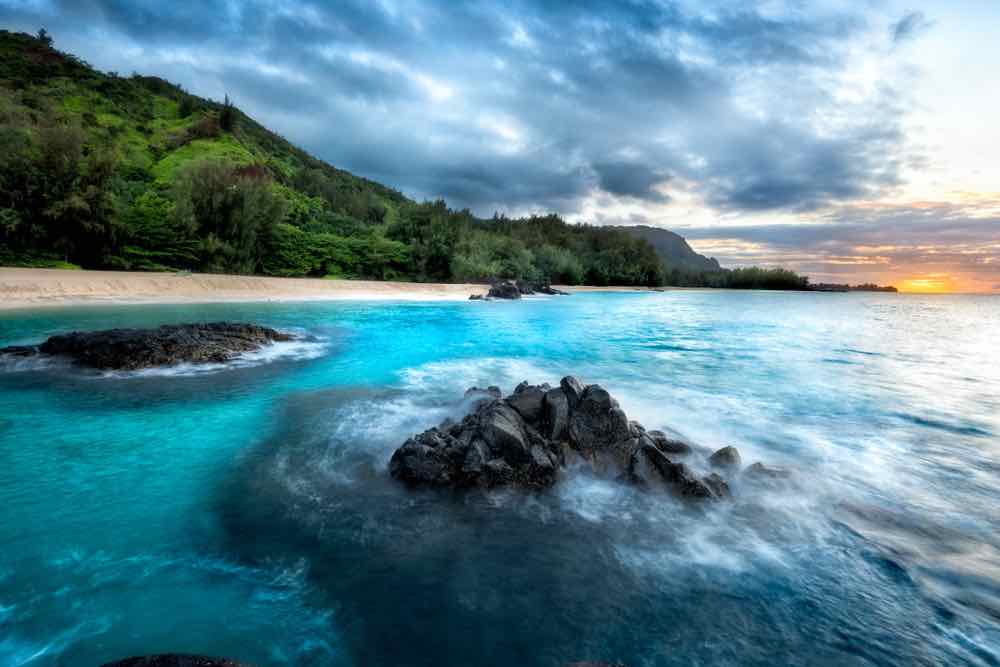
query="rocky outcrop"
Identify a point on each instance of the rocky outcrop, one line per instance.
(175, 660)
(515, 289)
(504, 289)
(535, 434)
(133, 349)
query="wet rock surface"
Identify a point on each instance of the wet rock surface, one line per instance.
(538, 433)
(134, 349)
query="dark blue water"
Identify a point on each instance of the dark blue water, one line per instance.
(245, 511)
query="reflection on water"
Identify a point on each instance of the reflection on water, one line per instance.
(247, 512)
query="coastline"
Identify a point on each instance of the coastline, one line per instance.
(40, 288)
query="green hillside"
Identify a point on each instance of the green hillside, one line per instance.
(103, 171)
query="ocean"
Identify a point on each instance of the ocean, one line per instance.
(245, 510)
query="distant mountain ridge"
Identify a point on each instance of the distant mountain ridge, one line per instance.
(672, 248)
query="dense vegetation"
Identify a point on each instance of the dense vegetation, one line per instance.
(103, 171)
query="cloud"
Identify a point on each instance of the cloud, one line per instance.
(911, 24)
(631, 179)
(742, 109)
(864, 243)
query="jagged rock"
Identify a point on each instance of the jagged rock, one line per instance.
(504, 289)
(132, 349)
(476, 297)
(528, 437)
(758, 472)
(525, 287)
(718, 485)
(528, 401)
(597, 423)
(650, 468)
(727, 457)
(573, 389)
(175, 660)
(555, 412)
(491, 393)
(549, 289)
(668, 445)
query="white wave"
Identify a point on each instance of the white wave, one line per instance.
(10, 363)
(300, 349)
(452, 378)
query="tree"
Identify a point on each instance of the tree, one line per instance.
(227, 117)
(234, 214)
(186, 106)
(44, 37)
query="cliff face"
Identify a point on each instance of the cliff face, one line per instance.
(673, 249)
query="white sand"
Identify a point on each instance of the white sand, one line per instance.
(33, 288)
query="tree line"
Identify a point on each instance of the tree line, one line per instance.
(103, 171)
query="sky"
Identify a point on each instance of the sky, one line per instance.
(851, 141)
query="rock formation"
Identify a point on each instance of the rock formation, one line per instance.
(132, 349)
(515, 289)
(538, 432)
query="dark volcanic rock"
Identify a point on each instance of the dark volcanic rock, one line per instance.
(727, 457)
(573, 389)
(597, 424)
(758, 472)
(131, 349)
(175, 660)
(528, 401)
(526, 439)
(504, 289)
(650, 468)
(555, 408)
(492, 446)
(515, 289)
(668, 445)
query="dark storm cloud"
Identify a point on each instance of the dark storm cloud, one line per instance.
(529, 105)
(630, 180)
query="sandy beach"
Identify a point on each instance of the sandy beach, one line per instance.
(35, 288)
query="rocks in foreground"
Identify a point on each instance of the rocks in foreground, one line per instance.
(174, 660)
(134, 349)
(532, 436)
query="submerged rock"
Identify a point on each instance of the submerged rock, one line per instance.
(758, 472)
(133, 349)
(527, 438)
(175, 660)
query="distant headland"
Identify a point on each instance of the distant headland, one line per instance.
(864, 287)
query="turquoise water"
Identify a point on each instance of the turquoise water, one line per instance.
(245, 511)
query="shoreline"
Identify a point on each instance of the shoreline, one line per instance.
(23, 288)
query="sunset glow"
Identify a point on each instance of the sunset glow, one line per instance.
(933, 284)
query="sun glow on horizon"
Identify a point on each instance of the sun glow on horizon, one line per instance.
(933, 283)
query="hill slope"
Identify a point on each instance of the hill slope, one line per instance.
(104, 171)
(673, 249)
